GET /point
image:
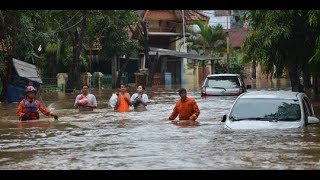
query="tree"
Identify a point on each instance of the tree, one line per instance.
(210, 39)
(84, 27)
(284, 39)
(8, 37)
(63, 35)
(111, 28)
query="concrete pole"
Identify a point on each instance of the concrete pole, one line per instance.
(184, 49)
(114, 71)
(228, 44)
(143, 62)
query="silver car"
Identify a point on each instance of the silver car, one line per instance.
(270, 110)
(223, 85)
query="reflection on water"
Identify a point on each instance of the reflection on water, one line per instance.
(106, 139)
(186, 123)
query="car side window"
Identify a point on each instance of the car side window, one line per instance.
(308, 107)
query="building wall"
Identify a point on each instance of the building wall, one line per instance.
(259, 72)
(161, 21)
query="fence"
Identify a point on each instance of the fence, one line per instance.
(49, 85)
(106, 80)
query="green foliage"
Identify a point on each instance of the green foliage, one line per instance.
(210, 39)
(31, 34)
(282, 38)
(112, 28)
(50, 28)
(235, 68)
(51, 48)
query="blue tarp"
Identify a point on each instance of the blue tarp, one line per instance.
(15, 93)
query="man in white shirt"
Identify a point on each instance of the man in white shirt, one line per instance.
(85, 101)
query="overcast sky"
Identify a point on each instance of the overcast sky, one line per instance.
(216, 20)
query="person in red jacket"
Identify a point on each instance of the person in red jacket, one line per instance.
(186, 107)
(28, 108)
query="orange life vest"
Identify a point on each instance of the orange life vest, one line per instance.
(31, 108)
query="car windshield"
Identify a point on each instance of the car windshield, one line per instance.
(266, 109)
(223, 82)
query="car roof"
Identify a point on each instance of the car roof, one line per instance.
(271, 94)
(214, 75)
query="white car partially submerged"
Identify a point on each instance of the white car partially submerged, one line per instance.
(223, 85)
(270, 110)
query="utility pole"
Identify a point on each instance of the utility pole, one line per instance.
(184, 60)
(184, 33)
(145, 40)
(114, 68)
(228, 43)
(146, 53)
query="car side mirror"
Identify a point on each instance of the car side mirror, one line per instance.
(224, 118)
(248, 86)
(313, 120)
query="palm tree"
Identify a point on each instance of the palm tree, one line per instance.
(210, 39)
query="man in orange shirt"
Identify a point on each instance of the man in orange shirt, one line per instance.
(29, 107)
(123, 102)
(186, 107)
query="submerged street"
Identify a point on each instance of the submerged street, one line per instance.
(110, 140)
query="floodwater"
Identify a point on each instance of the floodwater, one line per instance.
(147, 140)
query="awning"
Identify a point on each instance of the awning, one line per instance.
(166, 52)
(26, 70)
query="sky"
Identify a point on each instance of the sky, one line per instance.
(216, 20)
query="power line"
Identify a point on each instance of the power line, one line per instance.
(56, 31)
(69, 19)
(70, 26)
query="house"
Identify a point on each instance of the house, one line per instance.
(92, 52)
(237, 37)
(169, 59)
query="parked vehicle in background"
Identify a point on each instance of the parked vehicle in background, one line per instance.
(270, 110)
(223, 85)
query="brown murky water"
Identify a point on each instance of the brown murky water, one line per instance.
(146, 140)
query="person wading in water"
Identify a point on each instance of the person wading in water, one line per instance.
(139, 99)
(28, 108)
(85, 101)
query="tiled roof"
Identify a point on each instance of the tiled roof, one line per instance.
(175, 15)
(237, 36)
(192, 15)
(96, 45)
